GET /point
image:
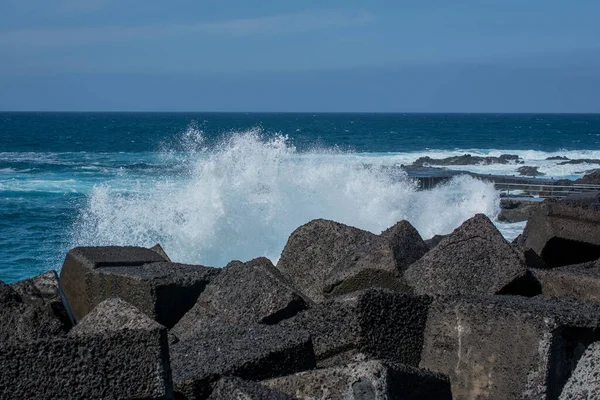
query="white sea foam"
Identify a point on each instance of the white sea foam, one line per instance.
(244, 196)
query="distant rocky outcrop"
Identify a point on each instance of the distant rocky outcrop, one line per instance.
(468, 159)
(529, 171)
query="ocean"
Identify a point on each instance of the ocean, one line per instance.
(213, 187)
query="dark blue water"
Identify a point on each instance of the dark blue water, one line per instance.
(97, 178)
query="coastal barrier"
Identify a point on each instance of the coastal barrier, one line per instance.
(343, 314)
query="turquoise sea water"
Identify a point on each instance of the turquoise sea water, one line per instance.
(215, 187)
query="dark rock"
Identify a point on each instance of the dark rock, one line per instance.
(113, 315)
(44, 289)
(122, 364)
(162, 290)
(526, 170)
(516, 210)
(407, 244)
(580, 161)
(26, 318)
(556, 158)
(250, 352)
(588, 198)
(435, 240)
(507, 347)
(584, 383)
(592, 178)
(369, 380)
(563, 233)
(475, 258)
(581, 281)
(252, 292)
(230, 388)
(372, 324)
(157, 248)
(466, 159)
(532, 260)
(321, 255)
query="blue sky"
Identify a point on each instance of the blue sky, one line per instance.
(429, 55)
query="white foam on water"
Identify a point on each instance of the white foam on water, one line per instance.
(243, 197)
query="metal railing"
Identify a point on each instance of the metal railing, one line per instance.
(541, 190)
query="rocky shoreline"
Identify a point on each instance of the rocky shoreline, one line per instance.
(345, 314)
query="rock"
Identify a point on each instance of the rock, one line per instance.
(372, 324)
(435, 240)
(250, 352)
(229, 388)
(44, 289)
(581, 281)
(507, 347)
(591, 178)
(124, 364)
(26, 319)
(325, 258)
(467, 159)
(113, 315)
(369, 380)
(157, 248)
(556, 158)
(563, 233)
(588, 198)
(532, 260)
(580, 161)
(516, 210)
(584, 383)
(526, 170)
(406, 243)
(475, 258)
(162, 290)
(252, 292)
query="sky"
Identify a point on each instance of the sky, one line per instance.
(317, 56)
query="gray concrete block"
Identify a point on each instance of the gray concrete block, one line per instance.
(564, 233)
(321, 255)
(162, 290)
(125, 364)
(475, 258)
(229, 388)
(251, 292)
(372, 324)
(250, 352)
(406, 242)
(113, 315)
(28, 317)
(584, 383)
(507, 347)
(580, 281)
(369, 380)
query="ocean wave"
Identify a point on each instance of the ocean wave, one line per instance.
(242, 197)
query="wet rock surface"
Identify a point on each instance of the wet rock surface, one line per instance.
(527, 170)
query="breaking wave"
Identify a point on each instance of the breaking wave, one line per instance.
(241, 198)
